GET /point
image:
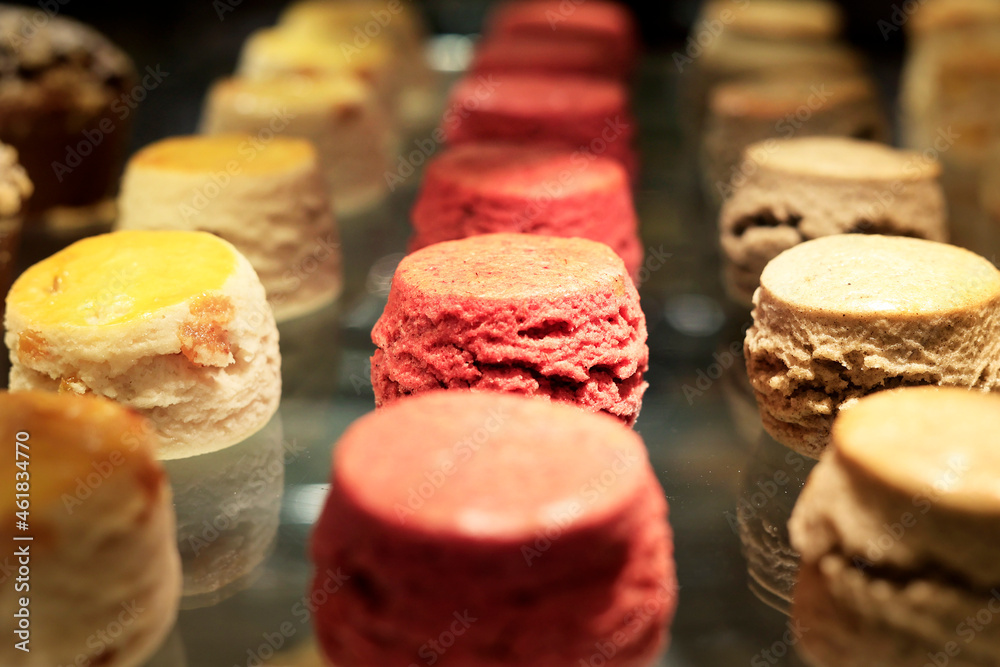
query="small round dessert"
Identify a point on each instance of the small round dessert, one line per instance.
(610, 25)
(745, 112)
(105, 577)
(271, 203)
(574, 56)
(587, 115)
(174, 324)
(791, 190)
(534, 315)
(535, 531)
(897, 531)
(805, 20)
(277, 53)
(475, 189)
(399, 27)
(65, 98)
(339, 115)
(937, 16)
(843, 316)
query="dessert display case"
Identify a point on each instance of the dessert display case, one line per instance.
(245, 513)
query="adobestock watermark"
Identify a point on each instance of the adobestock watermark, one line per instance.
(901, 13)
(892, 532)
(371, 29)
(101, 643)
(705, 33)
(706, 377)
(32, 22)
(967, 631)
(563, 518)
(462, 452)
(785, 128)
(776, 652)
(635, 626)
(454, 116)
(122, 107)
(434, 649)
(302, 612)
(247, 151)
(223, 7)
(913, 169)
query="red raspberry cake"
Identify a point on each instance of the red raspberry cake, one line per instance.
(579, 55)
(608, 24)
(484, 530)
(477, 189)
(583, 114)
(535, 315)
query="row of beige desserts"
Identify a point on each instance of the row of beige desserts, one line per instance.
(175, 325)
(874, 352)
(777, 69)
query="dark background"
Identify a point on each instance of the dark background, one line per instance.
(197, 41)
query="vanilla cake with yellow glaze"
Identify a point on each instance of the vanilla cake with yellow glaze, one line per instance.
(103, 555)
(270, 202)
(174, 324)
(338, 114)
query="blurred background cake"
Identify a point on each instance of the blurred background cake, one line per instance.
(268, 199)
(63, 88)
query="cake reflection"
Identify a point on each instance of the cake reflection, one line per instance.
(769, 486)
(228, 505)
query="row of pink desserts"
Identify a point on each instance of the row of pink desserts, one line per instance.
(529, 494)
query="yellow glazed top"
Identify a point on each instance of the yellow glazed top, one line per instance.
(121, 277)
(276, 51)
(941, 442)
(212, 153)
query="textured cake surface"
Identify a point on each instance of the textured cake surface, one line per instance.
(535, 315)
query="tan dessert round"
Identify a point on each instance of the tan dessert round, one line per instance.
(174, 324)
(777, 19)
(105, 576)
(340, 115)
(843, 316)
(269, 200)
(744, 112)
(897, 531)
(787, 191)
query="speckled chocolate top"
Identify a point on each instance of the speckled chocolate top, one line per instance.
(40, 52)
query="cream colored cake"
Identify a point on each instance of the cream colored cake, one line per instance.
(103, 557)
(777, 19)
(791, 190)
(897, 531)
(268, 199)
(843, 316)
(355, 25)
(937, 16)
(15, 189)
(173, 324)
(744, 112)
(339, 115)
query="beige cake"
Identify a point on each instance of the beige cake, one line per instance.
(787, 191)
(15, 189)
(897, 527)
(776, 19)
(174, 324)
(104, 579)
(268, 199)
(355, 25)
(843, 316)
(340, 115)
(745, 112)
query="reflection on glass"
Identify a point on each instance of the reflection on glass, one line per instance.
(228, 506)
(769, 486)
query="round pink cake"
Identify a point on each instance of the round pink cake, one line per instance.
(591, 116)
(573, 55)
(475, 189)
(608, 24)
(535, 315)
(470, 529)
